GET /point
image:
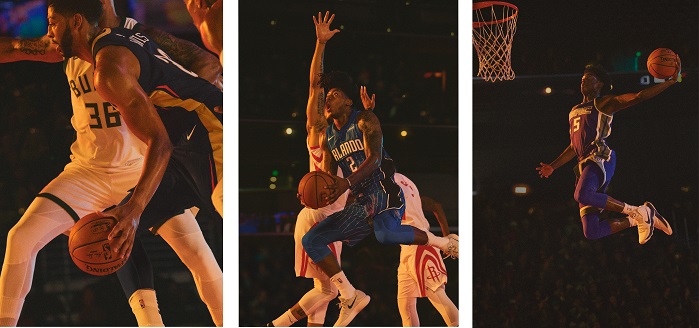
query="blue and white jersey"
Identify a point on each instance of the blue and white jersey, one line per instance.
(347, 148)
(589, 129)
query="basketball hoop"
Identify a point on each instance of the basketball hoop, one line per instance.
(494, 26)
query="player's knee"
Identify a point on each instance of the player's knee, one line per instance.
(590, 232)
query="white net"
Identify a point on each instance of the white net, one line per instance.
(494, 26)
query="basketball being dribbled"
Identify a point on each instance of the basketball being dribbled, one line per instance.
(312, 188)
(661, 63)
(89, 247)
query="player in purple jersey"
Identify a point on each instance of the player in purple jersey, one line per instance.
(590, 125)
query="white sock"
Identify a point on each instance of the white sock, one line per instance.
(144, 305)
(628, 209)
(343, 285)
(439, 242)
(285, 320)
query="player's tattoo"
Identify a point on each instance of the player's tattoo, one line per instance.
(321, 104)
(300, 313)
(183, 53)
(370, 126)
(35, 46)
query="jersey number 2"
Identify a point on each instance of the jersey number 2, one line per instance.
(352, 164)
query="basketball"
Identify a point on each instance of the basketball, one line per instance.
(89, 247)
(661, 63)
(312, 188)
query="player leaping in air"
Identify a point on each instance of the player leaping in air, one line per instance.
(590, 125)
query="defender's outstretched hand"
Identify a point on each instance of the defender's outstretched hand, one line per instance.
(368, 103)
(323, 32)
(545, 170)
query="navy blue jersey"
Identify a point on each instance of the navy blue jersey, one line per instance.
(589, 129)
(185, 101)
(185, 104)
(347, 148)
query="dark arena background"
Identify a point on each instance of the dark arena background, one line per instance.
(406, 53)
(532, 265)
(35, 146)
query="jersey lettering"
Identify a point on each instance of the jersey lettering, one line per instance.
(138, 39)
(164, 57)
(85, 86)
(347, 148)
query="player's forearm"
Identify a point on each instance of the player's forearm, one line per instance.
(655, 90)
(155, 162)
(317, 64)
(37, 49)
(567, 155)
(430, 205)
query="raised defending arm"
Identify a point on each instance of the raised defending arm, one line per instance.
(186, 53)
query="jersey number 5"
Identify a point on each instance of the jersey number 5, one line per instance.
(576, 124)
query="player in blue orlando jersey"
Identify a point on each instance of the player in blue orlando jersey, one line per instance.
(590, 125)
(354, 142)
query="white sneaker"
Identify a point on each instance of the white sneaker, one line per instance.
(659, 221)
(350, 307)
(644, 217)
(452, 249)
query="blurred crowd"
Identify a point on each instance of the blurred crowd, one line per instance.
(532, 267)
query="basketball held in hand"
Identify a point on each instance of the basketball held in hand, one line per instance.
(312, 188)
(661, 63)
(89, 247)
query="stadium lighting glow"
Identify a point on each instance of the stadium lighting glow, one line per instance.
(273, 22)
(273, 179)
(275, 173)
(404, 133)
(289, 131)
(272, 186)
(520, 189)
(548, 90)
(388, 30)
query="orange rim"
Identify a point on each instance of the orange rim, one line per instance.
(484, 4)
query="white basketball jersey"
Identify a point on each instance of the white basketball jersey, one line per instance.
(316, 164)
(103, 140)
(414, 215)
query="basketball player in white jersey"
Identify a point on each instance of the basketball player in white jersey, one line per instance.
(421, 272)
(314, 303)
(106, 161)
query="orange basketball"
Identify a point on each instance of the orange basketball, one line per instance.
(661, 63)
(89, 247)
(312, 188)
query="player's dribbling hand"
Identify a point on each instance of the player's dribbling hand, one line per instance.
(323, 32)
(336, 190)
(368, 103)
(545, 170)
(122, 236)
